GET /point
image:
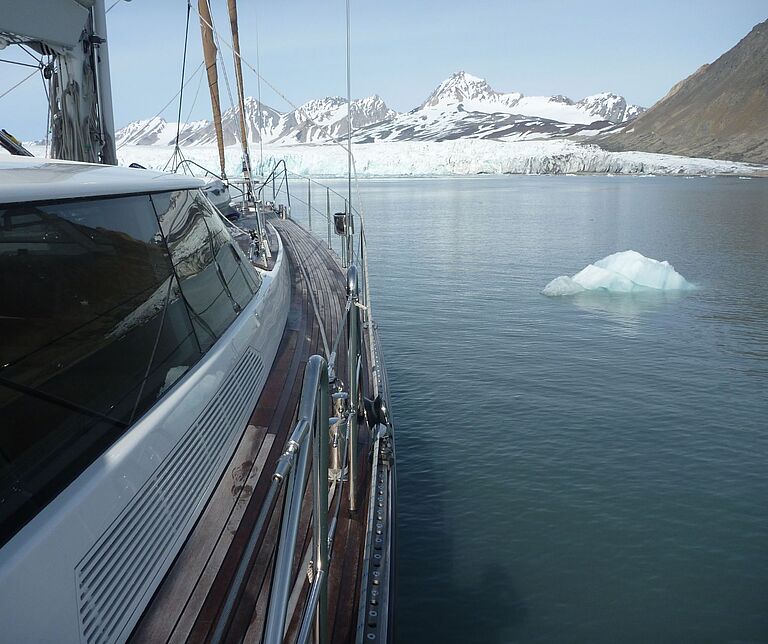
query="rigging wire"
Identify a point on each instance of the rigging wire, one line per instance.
(49, 113)
(166, 106)
(16, 62)
(183, 71)
(335, 140)
(176, 149)
(244, 133)
(349, 111)
(332, 139)
(194, 101)
(23, 80)
(39, 61)
(258, 92)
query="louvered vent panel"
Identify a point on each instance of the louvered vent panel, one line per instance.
(115, 575)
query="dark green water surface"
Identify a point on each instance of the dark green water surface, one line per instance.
(584, 469)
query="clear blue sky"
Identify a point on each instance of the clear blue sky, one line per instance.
(403, 48)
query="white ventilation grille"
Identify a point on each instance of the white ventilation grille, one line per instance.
(117, 573)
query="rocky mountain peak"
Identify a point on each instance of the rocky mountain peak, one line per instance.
(607, 106)
(459, 87)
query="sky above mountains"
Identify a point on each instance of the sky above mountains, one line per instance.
(403, 48)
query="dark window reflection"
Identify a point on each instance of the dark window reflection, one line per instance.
(211, 270)
(93, 330)
(241, 278)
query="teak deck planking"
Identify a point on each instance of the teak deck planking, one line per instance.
(186, 606)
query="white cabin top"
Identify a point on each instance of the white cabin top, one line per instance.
(32, 179)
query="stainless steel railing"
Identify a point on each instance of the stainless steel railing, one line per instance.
(353, 246)
(310, 435)
(308, 448)
(308, 441)
(354, 363)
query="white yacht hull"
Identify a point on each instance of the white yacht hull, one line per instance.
(86, 566)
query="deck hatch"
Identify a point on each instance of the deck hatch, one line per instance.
(126, 563)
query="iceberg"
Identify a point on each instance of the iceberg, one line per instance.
(624, 272)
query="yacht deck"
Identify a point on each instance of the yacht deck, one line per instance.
(188, 604)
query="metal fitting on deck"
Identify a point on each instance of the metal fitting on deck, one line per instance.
(337, 435)
(352, 282)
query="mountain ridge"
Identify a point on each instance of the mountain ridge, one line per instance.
(720, 111)
(462, 105)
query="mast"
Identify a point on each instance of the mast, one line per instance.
(73, 36)
(209, 52)
(232, 5)
(103, 84)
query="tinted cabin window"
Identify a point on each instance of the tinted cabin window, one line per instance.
(93, 330)
(241, 278)
(211, 270)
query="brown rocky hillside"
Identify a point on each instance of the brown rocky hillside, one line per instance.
(720, 111)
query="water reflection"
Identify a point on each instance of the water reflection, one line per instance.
(597, 457)
(626, 309)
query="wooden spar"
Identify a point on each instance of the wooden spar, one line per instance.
(209, 52)
(232, 4)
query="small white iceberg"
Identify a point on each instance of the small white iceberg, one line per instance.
(624, 272)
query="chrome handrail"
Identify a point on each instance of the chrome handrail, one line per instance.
(358, 312)
(310, 433)
(309, 441)
(353, 361)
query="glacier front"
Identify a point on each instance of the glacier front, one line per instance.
(624, 272)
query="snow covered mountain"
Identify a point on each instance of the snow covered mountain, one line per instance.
(156, 131)
(317, 120)
(326, 119)
(449, 125)
(465, 106)
(475, 95)
(267, 122)
(462, 106)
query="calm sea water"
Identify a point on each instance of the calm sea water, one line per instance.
(583, 469)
